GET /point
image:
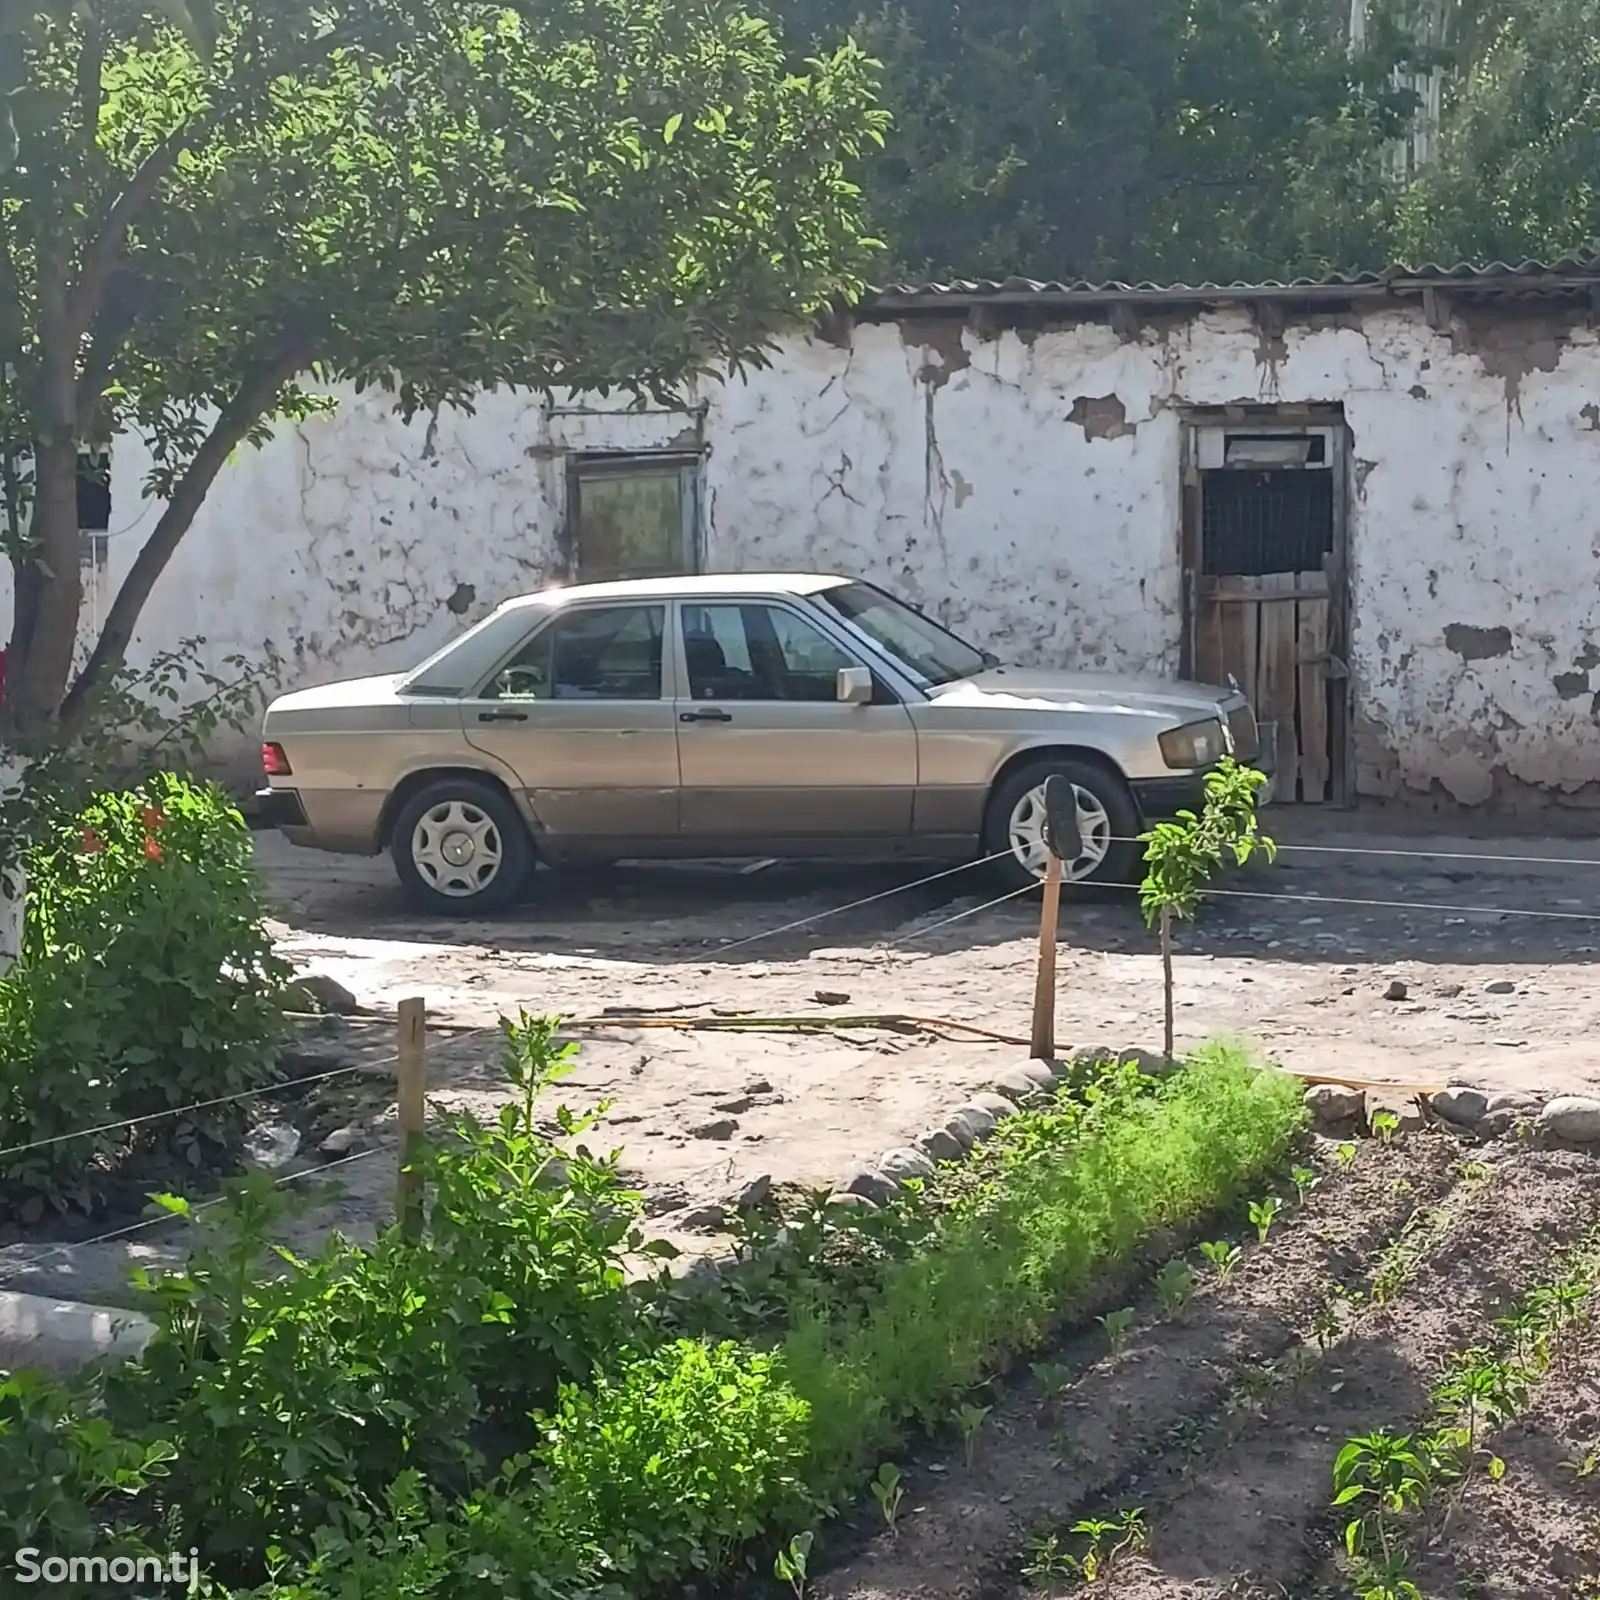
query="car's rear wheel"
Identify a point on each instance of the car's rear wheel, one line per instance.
(460, 849)
(1108, 821)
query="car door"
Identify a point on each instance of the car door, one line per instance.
(769, 757)
(581, 713)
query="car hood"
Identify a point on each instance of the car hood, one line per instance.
(347, 692)
(1018, 688)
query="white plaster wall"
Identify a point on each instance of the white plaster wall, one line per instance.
(953, 472)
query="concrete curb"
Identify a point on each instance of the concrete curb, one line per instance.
(60, 1335)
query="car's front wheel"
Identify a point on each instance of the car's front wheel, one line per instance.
(1108, 821)
(460, 849)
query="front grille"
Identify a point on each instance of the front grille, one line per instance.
(1246, 740)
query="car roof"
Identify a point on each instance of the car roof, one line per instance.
(710, 583)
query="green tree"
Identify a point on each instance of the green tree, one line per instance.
(428, 195)
(1175, 139)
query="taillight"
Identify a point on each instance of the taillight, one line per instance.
(275, 761)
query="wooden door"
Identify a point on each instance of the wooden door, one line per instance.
(1271, 632)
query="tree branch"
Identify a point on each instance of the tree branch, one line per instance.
(241, 414)
(103, 253)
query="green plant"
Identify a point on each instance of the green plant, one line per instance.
(1263, 1213)
(1304, 1179)
(1116, 1324)
(1107, 1539)
(1386, 1125)
(1325, 1325)
(888, 1491)
(790, 1564)
(1053, 1376)
(62, 1465)
(1181, 856)
(969, 1421)
(1046, 1560)
(147, 982)
(1175, 1285)
(1378, 1477)
(1346, 1154)
(1224, 1257)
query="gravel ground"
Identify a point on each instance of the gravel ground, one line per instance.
(1479, 994)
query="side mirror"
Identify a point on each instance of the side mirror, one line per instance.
(854, 686)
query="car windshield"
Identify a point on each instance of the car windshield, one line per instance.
(930, 653)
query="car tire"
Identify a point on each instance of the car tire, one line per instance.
(461, 849)
(1108, 819)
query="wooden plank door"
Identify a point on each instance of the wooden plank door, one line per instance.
(1270, 632)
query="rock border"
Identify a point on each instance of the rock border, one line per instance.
(1567, 1121)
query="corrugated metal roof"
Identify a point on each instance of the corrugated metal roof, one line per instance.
(1495, 278)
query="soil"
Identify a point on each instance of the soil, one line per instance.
(1220, 1424)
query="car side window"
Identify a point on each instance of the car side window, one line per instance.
(758, 652)
(599, 653)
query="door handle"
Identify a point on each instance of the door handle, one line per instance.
(704, 716)
(502, 716)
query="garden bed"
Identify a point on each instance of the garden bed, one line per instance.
(1196, 1462)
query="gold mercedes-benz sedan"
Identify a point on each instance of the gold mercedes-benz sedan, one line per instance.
(771, 715)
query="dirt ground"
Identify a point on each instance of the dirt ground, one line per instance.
(1282, 959)
(1219, 1425)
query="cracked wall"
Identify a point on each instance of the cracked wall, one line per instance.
(1024, 487)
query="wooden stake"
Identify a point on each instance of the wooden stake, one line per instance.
(1044, 985)
(412, 1018)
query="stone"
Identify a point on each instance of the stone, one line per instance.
(996, 1105)
(1332, 1106)
(849, 1200)
(670, 1197)
(1041, 1074)
(1573, 1117)
(1460, 1104)
(1512, 1100)
(831, 997)
(903, 1162)
(938, 1144)
(1497, 1124)
(758, 1086)
(1015, 1085)
(959, 1129)
(343, 1141)
(1396, 990)
(734, 1106)
(871, 1185)
(272, 1145)
(747, 1196)
(1410, 1118)
(978, 1120)
(1500, 986)
(718, 1128)
(328, 994)
(703, 1219)
(1449, 991)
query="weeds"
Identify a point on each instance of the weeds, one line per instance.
(1105, 1539)
(969, 1421)
(1224, 1257)
(790, 1565)
(889, 1491)
(1263, 1213)
(1116, 1324)
(1175, 1286)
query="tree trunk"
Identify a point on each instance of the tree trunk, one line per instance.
(1166, 976)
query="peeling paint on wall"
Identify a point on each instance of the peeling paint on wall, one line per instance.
(1024, 487)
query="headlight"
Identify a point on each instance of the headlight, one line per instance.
(1197, 744)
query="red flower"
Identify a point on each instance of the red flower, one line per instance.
(92, 843)
(152, 850)
(154, 816)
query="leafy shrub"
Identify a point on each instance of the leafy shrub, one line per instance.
(61, 1464)
(146, 982)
